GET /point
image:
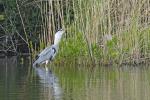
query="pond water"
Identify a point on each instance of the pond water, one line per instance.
(19, 81)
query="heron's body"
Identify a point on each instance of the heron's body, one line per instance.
(49, 52)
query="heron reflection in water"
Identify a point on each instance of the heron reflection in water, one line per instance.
(49, 52)
(50, 82)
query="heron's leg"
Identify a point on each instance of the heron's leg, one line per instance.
(46, 65)
(46, 62)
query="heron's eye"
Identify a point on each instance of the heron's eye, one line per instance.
(60, 30)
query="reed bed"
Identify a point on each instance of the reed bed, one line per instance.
(106, 31)
(109, 31)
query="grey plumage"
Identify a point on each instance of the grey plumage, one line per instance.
(49, 52)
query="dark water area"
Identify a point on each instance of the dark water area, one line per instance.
(20, 81)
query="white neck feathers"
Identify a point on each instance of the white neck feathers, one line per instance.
(58, 37)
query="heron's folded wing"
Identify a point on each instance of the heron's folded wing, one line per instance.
(45, 51)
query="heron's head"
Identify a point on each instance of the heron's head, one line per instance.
(58, 36)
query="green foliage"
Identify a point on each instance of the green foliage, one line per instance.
(113, 51)
(22, 21)
(85, 23)
(73, 47)
(97, 51)
(2, 17)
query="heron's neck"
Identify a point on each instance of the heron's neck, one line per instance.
(56, 42)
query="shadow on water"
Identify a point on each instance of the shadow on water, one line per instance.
(50, 83)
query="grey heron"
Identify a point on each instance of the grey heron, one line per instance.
(49, 52)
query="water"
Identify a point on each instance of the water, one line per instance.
(19, 81)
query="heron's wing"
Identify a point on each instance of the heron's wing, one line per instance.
(43, 56)
(45, 51)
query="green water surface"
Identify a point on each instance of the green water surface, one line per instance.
(19, 81)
